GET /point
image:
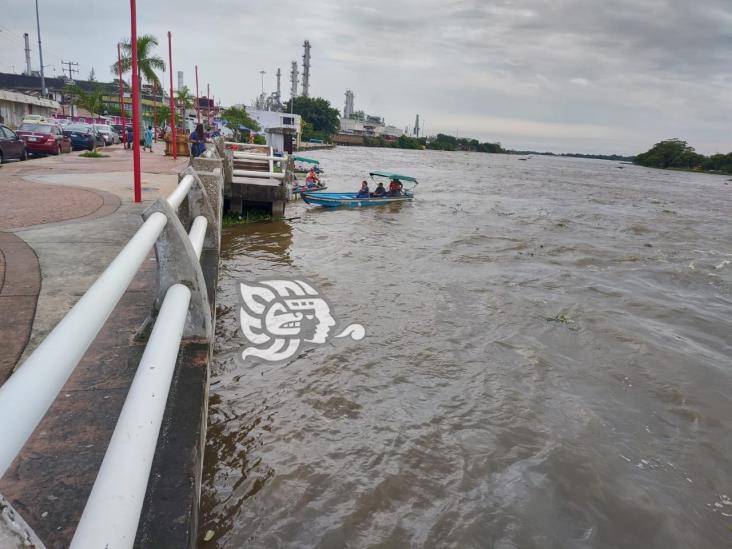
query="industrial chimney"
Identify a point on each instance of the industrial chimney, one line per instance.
(293, 80)
(306, 70)
(28, 70)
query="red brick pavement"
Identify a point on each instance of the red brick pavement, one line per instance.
(19, 287)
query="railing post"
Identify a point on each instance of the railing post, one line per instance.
(206, 198)
(178, 263)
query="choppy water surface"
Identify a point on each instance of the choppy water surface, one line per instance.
(547, 364)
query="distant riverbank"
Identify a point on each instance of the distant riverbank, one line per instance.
(676, 154)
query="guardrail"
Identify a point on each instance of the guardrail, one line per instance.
(112, 512)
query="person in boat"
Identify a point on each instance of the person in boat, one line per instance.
(395, 188)
(380, 191)
(364, 191)
(312, 179)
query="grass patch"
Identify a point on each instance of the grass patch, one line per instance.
(250, 216)
(93, 154)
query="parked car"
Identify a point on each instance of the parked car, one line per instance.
(82, 136)
(33, 119)
(107, 133)
(11, 146)
(44, 138)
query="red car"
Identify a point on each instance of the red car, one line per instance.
(44, 138)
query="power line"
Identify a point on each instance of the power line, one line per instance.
(70, 69)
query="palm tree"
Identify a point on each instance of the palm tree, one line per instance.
(147, 63)
(185, 100)
(91, 101)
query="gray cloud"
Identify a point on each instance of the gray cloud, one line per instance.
(585, 75)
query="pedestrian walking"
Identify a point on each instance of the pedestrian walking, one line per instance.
(148, 139)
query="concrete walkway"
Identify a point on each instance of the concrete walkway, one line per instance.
(64, 219)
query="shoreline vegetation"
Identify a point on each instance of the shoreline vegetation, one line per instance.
(676, 154)
(444, 142)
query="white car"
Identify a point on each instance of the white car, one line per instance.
(107, 133)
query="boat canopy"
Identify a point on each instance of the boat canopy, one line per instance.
(394, 176)
(306, 160)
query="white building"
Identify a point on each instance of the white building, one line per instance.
(279, 128)
(370, 127)
(14, 106)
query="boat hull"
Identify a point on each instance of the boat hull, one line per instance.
(348, 200)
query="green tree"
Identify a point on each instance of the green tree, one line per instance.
(184, 100)
(237, 116)
(317, 112)
(671, 153)
(164, 116)
(91, 101)
(147, 61)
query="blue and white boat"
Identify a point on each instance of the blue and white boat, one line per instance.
(354, 200)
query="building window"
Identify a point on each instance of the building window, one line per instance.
(288, 121)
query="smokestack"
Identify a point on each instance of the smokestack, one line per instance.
(279, 76)
(180, 80)
(306, 70)
(28, 70)
(348, 108)
(293, 80)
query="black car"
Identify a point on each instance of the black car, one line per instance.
(11, 146)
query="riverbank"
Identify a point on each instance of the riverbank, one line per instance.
(64, 219)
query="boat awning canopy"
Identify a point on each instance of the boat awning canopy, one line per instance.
(306, 160)
(394, 176)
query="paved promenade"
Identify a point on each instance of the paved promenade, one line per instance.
(62, 220)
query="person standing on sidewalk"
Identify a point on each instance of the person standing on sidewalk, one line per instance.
(148, 138)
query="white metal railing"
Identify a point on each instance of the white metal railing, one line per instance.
(254, 173)
(262, 157)
(112, 512)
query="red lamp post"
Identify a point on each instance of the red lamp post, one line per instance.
(198, 109)
(121, 90)
(135, 103)
(174, 145)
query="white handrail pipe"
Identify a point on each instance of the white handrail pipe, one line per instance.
(29, 392)
(197, 234)
(112, 513)
(262, 157)
(181, 191)
(253, 173)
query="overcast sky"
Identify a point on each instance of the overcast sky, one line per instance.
(562, 75)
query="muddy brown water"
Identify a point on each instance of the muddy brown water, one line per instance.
(547, 364)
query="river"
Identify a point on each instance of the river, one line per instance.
(547, 363)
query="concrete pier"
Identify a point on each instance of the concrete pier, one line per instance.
(245, 189)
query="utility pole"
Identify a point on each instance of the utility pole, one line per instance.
(28, 70)
(70, 69)
(40, 52)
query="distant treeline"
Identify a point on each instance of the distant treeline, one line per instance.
(616, 157)
(444, 142)
(441, 142)
(677, 154)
